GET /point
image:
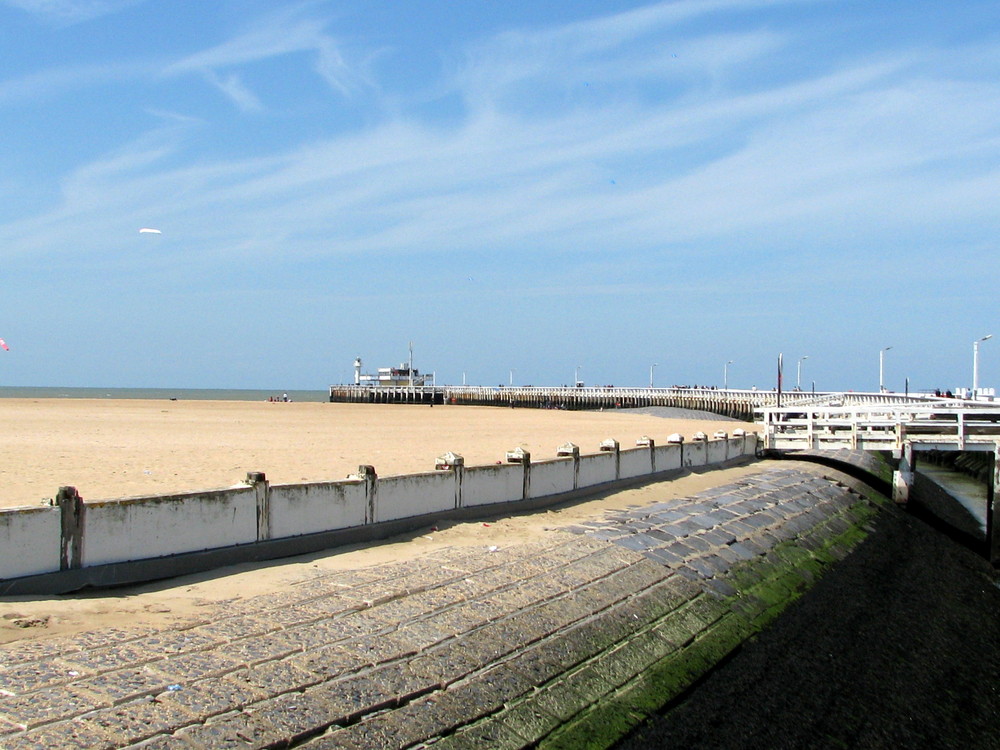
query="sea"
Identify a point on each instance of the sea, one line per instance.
(173, 394)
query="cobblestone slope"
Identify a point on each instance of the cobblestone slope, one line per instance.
(564, 642)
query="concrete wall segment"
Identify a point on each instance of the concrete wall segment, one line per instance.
(551, 477)
(483, 485)
(717, 451)
(415, 495)
(144, 527)
(597, 468)
(298, 509)
(695, 454)
(668, 457)
(635, 463)
(29, 541)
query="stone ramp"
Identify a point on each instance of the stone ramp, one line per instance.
(550, 642)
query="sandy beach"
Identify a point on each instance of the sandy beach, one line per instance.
(123, 448)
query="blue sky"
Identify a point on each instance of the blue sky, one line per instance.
(536, 187)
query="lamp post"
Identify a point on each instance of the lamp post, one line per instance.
(511, 381)
(725, 375)
(975, 364)
(881, 363)
(798, 373)
(651, 368)
(576, 376)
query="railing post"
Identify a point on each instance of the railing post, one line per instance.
(71, 512)
(454, 463)
(569, 449)
(648, 442)
(611, 446)
(367, 474)
(258, 481)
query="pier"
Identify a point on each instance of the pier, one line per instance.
(738, 404)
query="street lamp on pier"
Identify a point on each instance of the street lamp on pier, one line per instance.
(975, 364)
(651, 368)
(798, 373)
(725, 375)
(881, 363)
(511, 381)
(576, 376)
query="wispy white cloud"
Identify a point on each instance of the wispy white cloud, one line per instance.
(71, 11)
(284, 32)
(232, 86)
(47, 84)
(880, 142)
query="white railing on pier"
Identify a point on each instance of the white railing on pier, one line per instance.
(735, 401)
(945, 425)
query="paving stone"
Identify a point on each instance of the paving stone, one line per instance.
(49, 705)
(250, 651)
(161, 742)
(19, 652)
(495, 686)
(275, 677)
(329, 662)
(237, 730)
(664, 557)
(165, 642)
(138, 720)
(296, 716)
(354, 696)
(18, 679)
(184, 668)
(560, 700)
(126, 684)
(119, 656)
(699, 543)
(529, 720)
(318, 634)
(589, 683)
(212, 697)
(108, 636)
(64, 735)
(234, 628)
(451, 661)
(492, 734)
(721, 587)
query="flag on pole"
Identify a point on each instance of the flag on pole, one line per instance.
(4, 345)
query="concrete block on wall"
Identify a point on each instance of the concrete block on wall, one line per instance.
(145, 527)
(29, 541)
(298, 509)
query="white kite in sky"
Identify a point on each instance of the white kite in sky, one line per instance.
(147, 230)
(3, 344)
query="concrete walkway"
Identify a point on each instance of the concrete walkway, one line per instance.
(463, 647)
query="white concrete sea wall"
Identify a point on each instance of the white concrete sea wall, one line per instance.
(552, 477)
(74, 535)
(668, 457)
(145, 527)
(597, 468)
(695, 454)
(416, 495)
(29, 540)
(635, 462)
(485, 485)
(297, 509)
